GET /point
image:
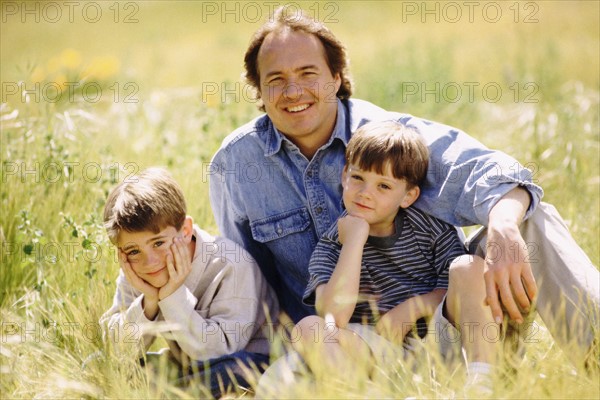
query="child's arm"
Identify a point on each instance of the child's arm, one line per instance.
(446, 247)
(397, 322)
(122, 324)
(339, 295)
(223, 314)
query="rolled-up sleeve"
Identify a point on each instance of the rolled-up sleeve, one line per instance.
(465, 179)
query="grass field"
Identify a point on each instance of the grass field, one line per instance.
(93, 92)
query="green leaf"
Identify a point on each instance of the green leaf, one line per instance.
(28, 249)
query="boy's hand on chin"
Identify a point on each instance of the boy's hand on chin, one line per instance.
(352, 228)
(149, 291)
(179, 265)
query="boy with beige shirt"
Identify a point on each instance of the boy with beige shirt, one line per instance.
(205, 295)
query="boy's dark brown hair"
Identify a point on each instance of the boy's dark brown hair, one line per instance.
(297, 20)
(150, 201)
(376, 145)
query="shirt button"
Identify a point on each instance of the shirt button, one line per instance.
(279, 231)
(319, 210)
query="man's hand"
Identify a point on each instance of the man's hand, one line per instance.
(353, 229)
(179, 265)
(508, 276)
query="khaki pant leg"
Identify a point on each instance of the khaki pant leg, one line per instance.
(568, 283)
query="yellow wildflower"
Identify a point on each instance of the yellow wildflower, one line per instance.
(102, 68)
(70, 58)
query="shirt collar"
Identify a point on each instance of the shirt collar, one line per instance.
(387, 242)
(205, 244)
(275, 138)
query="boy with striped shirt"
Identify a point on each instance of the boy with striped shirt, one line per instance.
(385, 267)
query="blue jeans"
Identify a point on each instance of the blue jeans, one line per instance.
(219, 374)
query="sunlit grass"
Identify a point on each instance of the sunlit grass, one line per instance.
(61, 158)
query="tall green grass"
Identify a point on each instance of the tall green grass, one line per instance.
(60, 159)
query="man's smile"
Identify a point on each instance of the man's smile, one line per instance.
(297, 108)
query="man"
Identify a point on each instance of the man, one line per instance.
(276, 186)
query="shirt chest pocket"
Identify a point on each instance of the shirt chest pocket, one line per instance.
(280, 225)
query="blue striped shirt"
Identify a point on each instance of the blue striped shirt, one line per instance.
(413, 261)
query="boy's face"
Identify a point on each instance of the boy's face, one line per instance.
(147, 251)
(376, 198)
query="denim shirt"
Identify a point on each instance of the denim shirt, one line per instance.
(269, 198)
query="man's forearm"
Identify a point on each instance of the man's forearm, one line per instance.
(511, 208)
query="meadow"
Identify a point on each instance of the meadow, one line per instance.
(94, 92)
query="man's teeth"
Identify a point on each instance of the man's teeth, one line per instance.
(301, 107)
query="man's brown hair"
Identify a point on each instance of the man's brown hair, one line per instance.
(150, 201)
(335, 53)
(377, 144)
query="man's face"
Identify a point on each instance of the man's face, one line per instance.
(297, 87)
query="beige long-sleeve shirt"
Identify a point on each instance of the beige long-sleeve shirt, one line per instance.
(225, 305)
